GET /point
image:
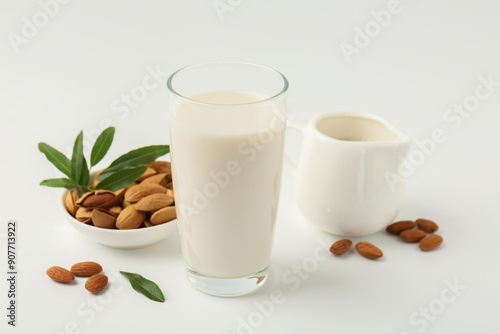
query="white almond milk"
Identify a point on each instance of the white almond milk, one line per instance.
(227, 162)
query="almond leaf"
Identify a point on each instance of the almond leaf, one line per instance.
(144, 286)
(121, 179)
(140, 156)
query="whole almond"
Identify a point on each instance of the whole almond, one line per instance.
(130, 218)
(149, 172)
(164, 215)
(154, 202)
(137, 192)
(147, 223)
(96, 283)
(430, 242)
(340, 246)
(412, 235)
(368, 250)
(60, 274)
(161, 179)
(398, 227)
(161, 166)
(115, 210)
(427, 225)
(102, 218)
(85, 269)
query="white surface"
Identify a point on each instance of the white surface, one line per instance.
(72, 75)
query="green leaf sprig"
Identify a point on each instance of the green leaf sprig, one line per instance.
(144, 286)
(122, 172)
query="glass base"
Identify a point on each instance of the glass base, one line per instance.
(227, 287)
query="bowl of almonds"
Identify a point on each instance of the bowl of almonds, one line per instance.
(138, 215)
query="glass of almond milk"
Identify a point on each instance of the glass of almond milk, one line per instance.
(227, 125)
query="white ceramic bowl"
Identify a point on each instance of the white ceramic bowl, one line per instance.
(125, 239)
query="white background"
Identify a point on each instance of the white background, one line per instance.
(68, 75)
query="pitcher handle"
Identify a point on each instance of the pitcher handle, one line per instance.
(289, 165)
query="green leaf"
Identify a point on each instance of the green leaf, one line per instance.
(59, 160)
(140, 156)
(60, 183)
(121, 179)
(84, 175)
(77, 158)
(101, 145)
(144, 286)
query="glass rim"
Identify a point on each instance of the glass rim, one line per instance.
(283, 90)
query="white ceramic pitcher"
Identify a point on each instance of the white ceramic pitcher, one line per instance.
(343, 181)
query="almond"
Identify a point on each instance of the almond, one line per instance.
(115, 210)
(96, 283)
(130, 218)
(412, 235)
(60, 274)
(398, 227)
(147, 223)
(430, 242)
(427, 225)
(161, 179)
(340, 246)
(149, 172)
(69, 202)
(85, 269)
(84, 215)
(164, 215)
(161, 166)
(154, 202)
(137, 192)
(368, 250)
(102, 218)
(97, 199)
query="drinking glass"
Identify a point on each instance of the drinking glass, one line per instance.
(227, 125)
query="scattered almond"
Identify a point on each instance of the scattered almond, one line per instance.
(430, 242)
(85, 269)
(368, 250)
(427, 225)
(412, 235)
(96, 283)
(149, 172)
(398, 227)
(60, 274)
(340, 246)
